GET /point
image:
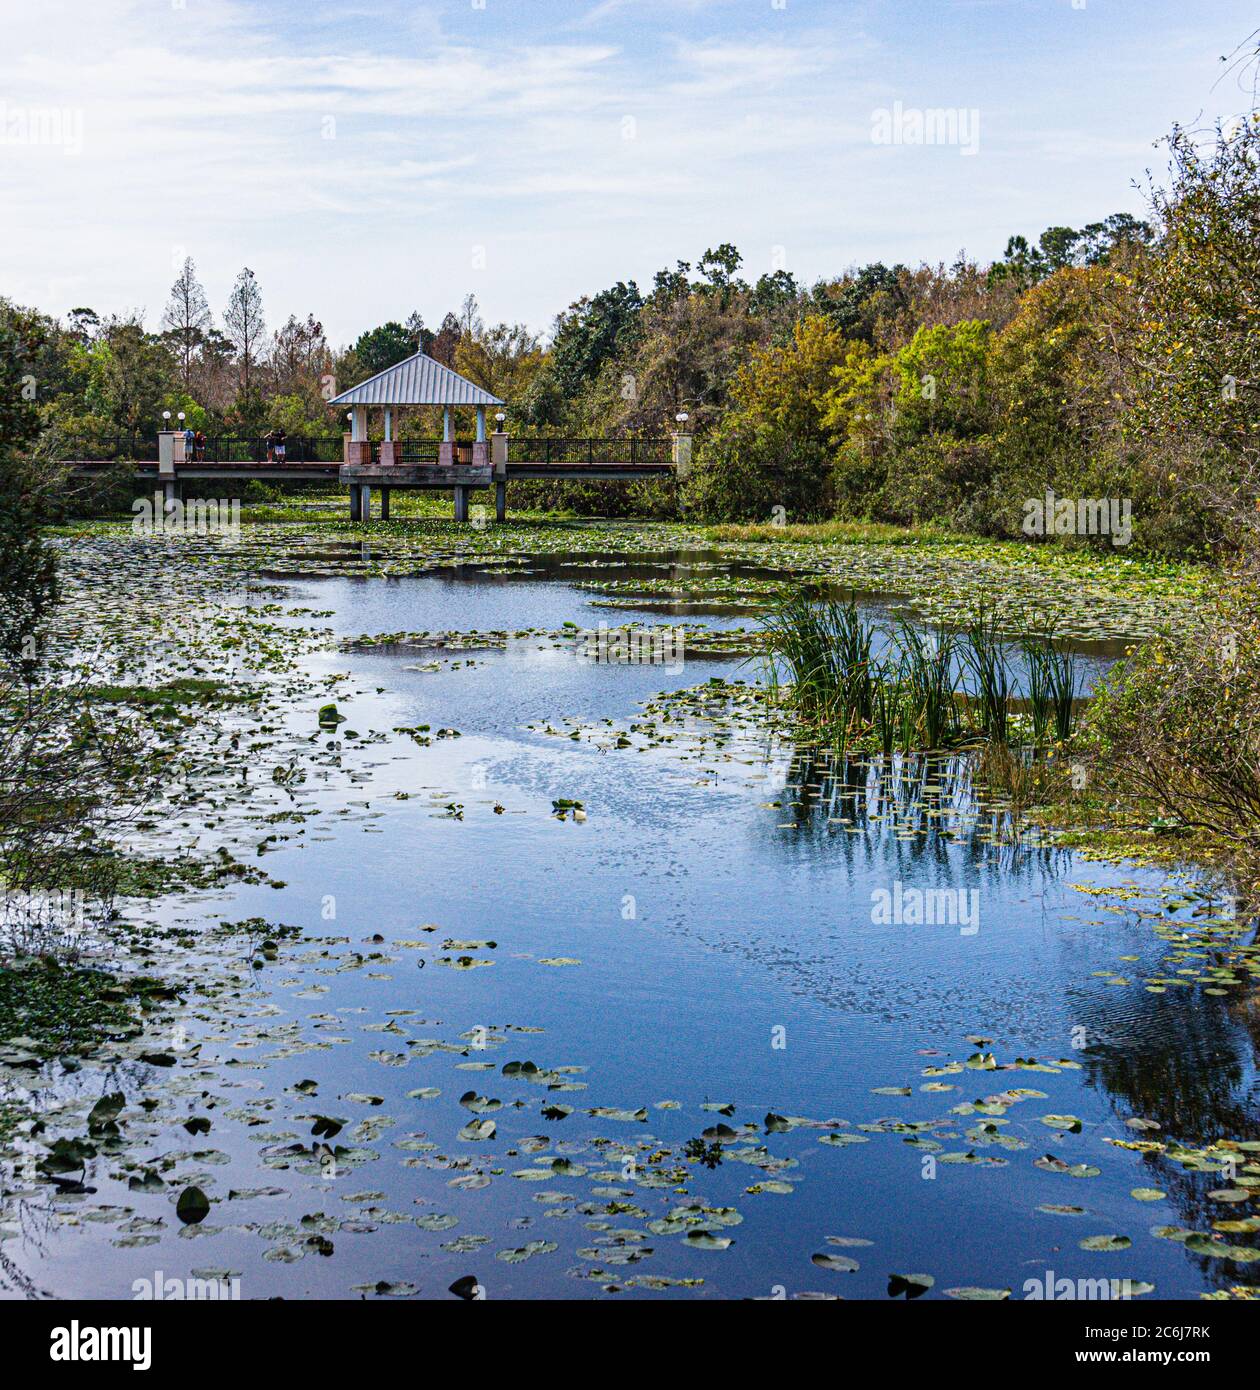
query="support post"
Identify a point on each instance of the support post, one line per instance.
(384, 504)
(681, 454)
(500, 501)
(355, 501)
(461, 504)
(365, 502)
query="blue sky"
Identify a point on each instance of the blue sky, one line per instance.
(370, 159)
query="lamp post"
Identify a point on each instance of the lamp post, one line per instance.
(682, 446)
(498, 460)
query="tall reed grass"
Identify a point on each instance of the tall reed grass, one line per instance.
(926, 691)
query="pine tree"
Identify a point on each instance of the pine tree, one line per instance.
(187, 318)
(243, 319)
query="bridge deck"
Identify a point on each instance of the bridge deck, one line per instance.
(420, 475)
(412, 464)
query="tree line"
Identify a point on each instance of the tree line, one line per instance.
(1117, 360)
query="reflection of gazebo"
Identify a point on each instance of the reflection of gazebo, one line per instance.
(416, 381)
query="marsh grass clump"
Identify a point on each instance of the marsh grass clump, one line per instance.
(985, 659)
(927, 691)
(927, 671)
(1051, 686)
(825, 648)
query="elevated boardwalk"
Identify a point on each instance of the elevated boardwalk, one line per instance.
(364, 466)
(360, 463)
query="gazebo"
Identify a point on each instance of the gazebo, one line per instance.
(416, 381)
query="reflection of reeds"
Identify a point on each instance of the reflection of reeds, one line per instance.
(820, 663)
(1010, 773)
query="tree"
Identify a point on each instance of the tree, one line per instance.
(470, 324)
(857, 303)
(1100, 241)
(502, 360)
(1195, 347)
(773, 447)
(943, 381)
(775, 294)
(445, 341)
(187, 318)
(129, 376)
(383, 347)
(243, 319)
(1060, 247)
(299, 354)
(591, 332)
(82, 324)
(421, 336)
(28, 576)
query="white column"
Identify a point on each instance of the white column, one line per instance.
(481, 424)
(389, 423)
(446, 422)
(358, 424)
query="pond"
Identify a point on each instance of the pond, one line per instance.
(591, 992)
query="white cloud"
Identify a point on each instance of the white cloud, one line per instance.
(578, 144)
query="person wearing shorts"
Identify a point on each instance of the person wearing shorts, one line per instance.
(278, 445)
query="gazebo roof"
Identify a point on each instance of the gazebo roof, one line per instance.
(417, 380)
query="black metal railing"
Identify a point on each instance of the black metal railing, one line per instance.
(298, 449)
(619, 450)
(142, 448)
(413, 451)
(221, 449)
(624, 450)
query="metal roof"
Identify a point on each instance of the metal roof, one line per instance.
(417, 380)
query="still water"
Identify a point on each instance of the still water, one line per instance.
(714, 932)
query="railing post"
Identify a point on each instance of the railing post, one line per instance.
(166, 452)
(681, 454)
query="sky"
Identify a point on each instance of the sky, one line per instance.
(371, 159)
